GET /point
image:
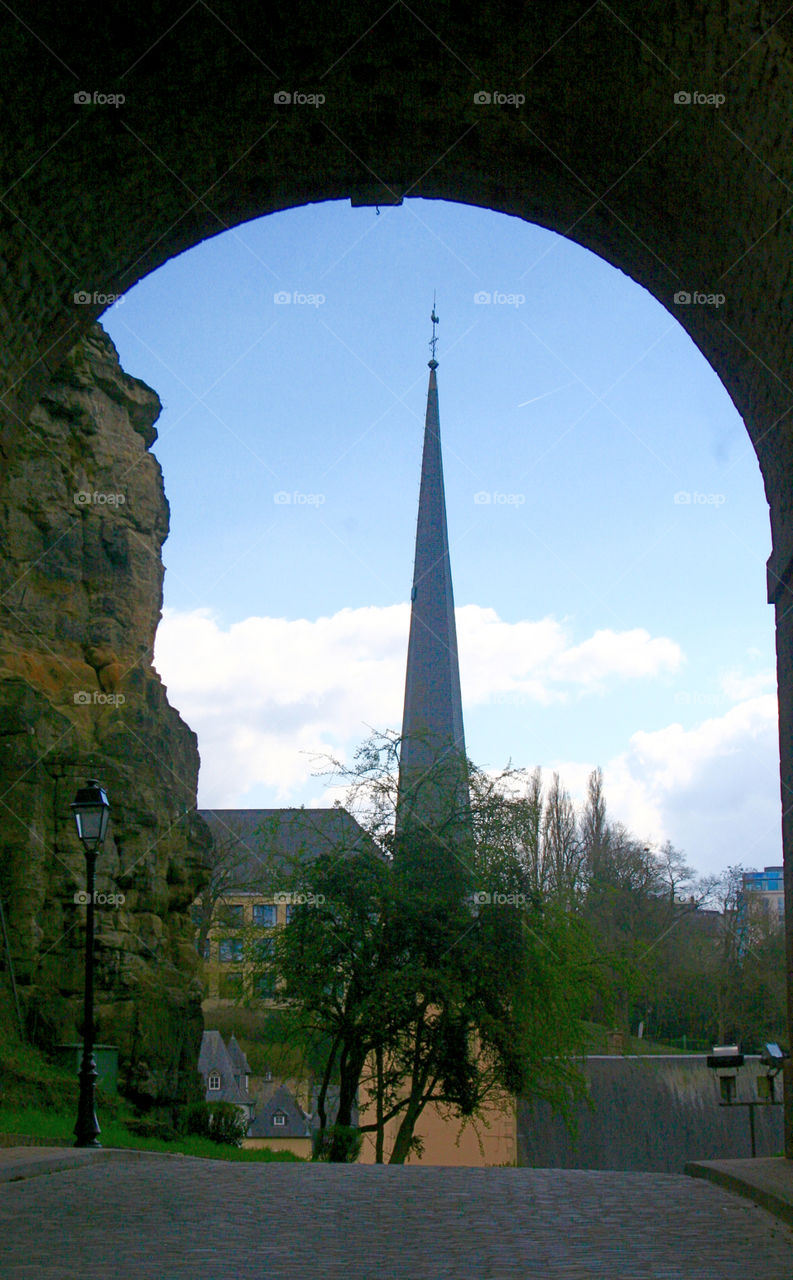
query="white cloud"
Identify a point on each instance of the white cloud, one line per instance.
(267, 694)
(713, 789)
(737, 686)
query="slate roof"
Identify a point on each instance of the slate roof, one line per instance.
(239, 1061)
(274, 1098)
(331, 1106)
(432, 767)
(214, 1056)
(281, 834)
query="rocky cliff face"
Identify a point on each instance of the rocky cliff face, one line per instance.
(83, 517)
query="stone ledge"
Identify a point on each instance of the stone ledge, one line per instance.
(20, 1163)
(767, 1181)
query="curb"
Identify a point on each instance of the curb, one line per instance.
(768, 1200)
(17, 1164)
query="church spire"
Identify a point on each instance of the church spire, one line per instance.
(433, 783)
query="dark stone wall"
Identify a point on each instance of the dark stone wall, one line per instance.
(83, 517)
(652, 1114)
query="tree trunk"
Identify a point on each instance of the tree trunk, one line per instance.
(323, 1093)
(404, 1136)
(380, 1136)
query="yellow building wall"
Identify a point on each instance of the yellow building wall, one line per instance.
(481, 1143)
(298, 1146)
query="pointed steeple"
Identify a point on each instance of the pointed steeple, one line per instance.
(433, 783)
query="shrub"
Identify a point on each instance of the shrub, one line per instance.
(152, 1127)
(219, 1121)
(340, 1144)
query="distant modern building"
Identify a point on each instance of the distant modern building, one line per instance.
(768, 888)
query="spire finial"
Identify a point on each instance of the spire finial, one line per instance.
(433, 340)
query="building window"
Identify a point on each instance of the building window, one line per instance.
(264, 913)
(230, 950)
(213, 1082)
(230, 986)
(289, 911)
(264, 948)
(206, 950)
(232, 915)
(265, 986)
(279, 1119)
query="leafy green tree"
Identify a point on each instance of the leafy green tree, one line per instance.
(437, 975)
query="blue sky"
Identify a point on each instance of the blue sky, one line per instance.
(607, 521)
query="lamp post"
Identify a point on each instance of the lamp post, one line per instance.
(91, 809)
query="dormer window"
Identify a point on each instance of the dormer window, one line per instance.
(214, 1080)
(279, 1119)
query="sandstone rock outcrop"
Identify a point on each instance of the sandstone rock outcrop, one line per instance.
(83, 516)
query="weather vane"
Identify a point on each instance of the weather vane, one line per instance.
(434, 338)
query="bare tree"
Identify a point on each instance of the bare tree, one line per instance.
(562, 849)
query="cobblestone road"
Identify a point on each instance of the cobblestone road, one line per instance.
(179, 1219)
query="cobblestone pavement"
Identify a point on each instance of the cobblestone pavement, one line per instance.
(181, 1219)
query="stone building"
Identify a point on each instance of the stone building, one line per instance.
(252, 852)
(225, 1072)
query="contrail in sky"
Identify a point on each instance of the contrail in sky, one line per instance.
(544, 394)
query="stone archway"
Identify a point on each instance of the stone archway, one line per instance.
(657, 140)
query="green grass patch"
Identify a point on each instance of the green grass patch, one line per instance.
(597, 1043)
(51, 1124)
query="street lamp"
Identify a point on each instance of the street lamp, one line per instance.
(91, 809)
